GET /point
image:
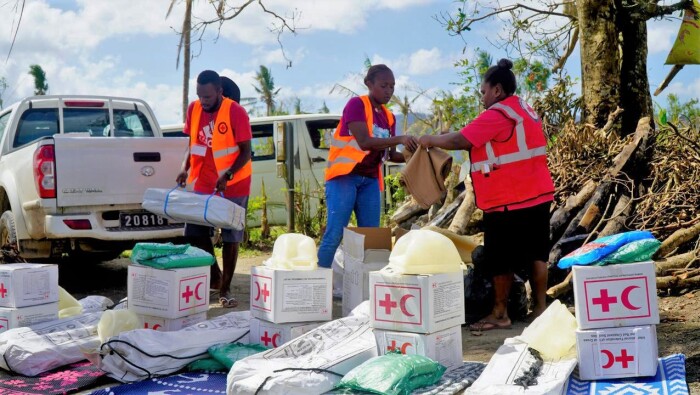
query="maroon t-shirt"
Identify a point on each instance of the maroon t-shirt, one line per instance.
(354, 111)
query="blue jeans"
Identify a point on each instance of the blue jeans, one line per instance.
(344, 195)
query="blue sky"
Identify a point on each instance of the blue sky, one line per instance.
(128, 48)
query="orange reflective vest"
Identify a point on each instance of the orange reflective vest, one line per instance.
(223, 145)
(345, 153)
(515, 170)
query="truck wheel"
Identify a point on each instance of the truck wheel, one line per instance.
(8, 232)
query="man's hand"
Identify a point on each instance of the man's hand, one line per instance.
(425, 141)
(410, 143)
(181, 179)
(221, 183)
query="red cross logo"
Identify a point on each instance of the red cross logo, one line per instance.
(265, 292)
(623, 358)
(387, 304)
(155, 327)
(604, 300)
(187, 294)
(3, 290)
(266, 339)
(393, 347)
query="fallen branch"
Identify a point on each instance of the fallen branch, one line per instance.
(446, 213)
(561, 288)
(464, 212)
(563, 214)
(407, 210)
(677, 239)
(679, 261)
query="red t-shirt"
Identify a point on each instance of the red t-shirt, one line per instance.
(354, 111)
(492, 125)
(208, 176)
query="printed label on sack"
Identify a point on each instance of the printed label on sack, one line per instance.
(305, 298)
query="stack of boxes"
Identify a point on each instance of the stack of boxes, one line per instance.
(285, 304)
(617, 314)
(28, 294)
(168, 299)
(418, 314)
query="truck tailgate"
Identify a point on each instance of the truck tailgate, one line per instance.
(99, 171)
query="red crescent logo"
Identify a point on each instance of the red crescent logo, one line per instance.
(196, 291)
(405, 346)
(611, 359)
(156, 326)
(625, 297)
(257, 286)
(402, 304)
(274, 339)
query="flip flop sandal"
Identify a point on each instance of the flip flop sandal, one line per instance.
(483, 326)
(228, 302)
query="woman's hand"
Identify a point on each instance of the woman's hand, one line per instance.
(410, 142)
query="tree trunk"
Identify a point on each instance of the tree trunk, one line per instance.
(635, 94)
(600, 59)
(187, 33)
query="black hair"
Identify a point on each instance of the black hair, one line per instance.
(501, 74)
(231, 90)
(209, 77)
(374, 70)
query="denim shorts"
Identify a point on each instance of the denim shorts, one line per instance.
(228, 235)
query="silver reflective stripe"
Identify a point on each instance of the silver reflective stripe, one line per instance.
(226, 151)
(198, 150)
(510, 158)
(490, 155)
(341, 159)
(342, 144)
(519, 126)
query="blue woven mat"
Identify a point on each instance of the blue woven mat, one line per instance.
(194, 383)
(669, 380)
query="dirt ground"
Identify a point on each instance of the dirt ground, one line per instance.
(679, 331)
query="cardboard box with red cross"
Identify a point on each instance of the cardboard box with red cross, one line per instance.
(282, 296)
(11, 317)
(615, 295)
(364, 250)
(274, 335)
(444, 346)
(170, 324)
(168, 293)
(617, 352)
(28, 284)
(424, 303)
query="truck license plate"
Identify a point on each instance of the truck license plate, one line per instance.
(141, 220)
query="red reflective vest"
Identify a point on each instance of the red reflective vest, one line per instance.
(345, 153)
(515, 170)
(223, 145)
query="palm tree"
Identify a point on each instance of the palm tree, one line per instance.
(266, 88)
(40, 84)
(324, 109)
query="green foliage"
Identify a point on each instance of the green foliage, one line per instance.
(533, 77)
(394, 187)
(41, 85)
(266, 88)
(305, 223)
(679, 113)
(558, 105)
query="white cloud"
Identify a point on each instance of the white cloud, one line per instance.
(426, 61)
(661, 35)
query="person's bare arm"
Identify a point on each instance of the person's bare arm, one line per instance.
(361, 134)
(449, 141)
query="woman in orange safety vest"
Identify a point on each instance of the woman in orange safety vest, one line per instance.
(513, 186)
(363, 140)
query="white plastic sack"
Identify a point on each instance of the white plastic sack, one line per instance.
(183, 206)
(509, 362)
(337, 346)
(39, 348)
(338, 267)
(125, 357)
(93, 303)
(114, 322)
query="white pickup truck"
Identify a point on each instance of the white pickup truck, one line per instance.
(73, 170)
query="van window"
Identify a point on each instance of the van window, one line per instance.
(321, 132)
(35, 124)
(263, 142)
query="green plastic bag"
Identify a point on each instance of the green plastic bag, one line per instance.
(228, 354)
(393, 374)
(207, 365)
(170, 256)
(636, 251)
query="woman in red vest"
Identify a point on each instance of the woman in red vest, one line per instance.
(513, 187)
(364, 139)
